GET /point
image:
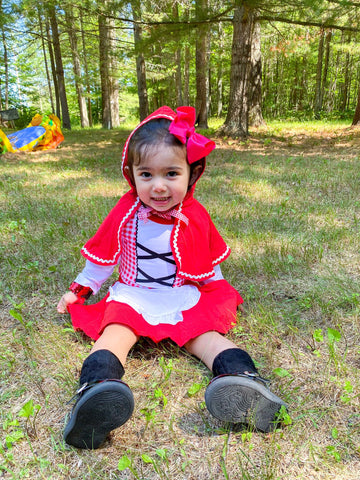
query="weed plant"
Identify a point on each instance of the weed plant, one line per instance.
(287, 202)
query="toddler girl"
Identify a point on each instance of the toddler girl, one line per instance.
(170, 285)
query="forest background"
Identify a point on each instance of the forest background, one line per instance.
(243, 61)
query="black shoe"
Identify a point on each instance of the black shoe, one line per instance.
(101, 407)
(243, 399)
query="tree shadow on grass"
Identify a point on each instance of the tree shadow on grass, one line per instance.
(201, 424)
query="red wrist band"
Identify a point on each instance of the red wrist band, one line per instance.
(83, 293)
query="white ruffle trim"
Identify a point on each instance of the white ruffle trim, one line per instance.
(157, 306)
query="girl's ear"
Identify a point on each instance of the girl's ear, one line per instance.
(128, 172)
(195, 174)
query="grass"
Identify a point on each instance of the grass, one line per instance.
(287, 201)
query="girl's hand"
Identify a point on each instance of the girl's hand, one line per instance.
(68, 299)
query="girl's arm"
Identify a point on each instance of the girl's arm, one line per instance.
(94, 275)
(86, 283)
(218, 276)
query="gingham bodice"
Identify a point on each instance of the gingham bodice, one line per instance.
(146, 259)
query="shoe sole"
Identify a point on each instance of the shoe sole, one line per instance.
(102, 408)
(242, 400)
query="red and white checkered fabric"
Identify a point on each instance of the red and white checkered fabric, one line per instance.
(145, 212)
(128, 264)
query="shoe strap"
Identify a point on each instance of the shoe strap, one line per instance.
(87, 385)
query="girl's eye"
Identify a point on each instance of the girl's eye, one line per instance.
(172, 174)
(145, 174)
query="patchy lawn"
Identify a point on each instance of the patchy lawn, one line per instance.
(287, 201)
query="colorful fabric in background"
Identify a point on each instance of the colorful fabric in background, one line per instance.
(26, 139)
(5, 145)
(53, 134)
(42, 133)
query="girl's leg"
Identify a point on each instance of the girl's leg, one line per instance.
(237, 394)
(108, 355)
(104, 402)
(118, 339)
(207, 347)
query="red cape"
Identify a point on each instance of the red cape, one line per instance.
(196, 247)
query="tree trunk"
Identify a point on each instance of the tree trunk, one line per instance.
(255, 112)
(356, 119)
(104, 49)
(108, 72)
(237, 120)
(187, 59)
(86, 69)
(276, 82)
(59, 67)
(46, 61)
(18, 94)
(317, 101)
(6, 68)
(178, 76)
(293, 97)
(346, 88)
(304, 80)
(326, 65)
(70, 26)
(53, 68)
(140, 63)
(333, 87)
(113, 76)
(187, 75)
(219, 73)
(202, 61)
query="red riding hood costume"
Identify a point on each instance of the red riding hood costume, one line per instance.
(205, 300)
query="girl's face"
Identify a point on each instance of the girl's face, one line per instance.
(162, 178)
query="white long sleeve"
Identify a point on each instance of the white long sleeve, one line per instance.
(218, 276)
(94, 275)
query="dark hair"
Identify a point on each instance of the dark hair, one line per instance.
(151, 134)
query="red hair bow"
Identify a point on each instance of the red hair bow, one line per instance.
(182, 127)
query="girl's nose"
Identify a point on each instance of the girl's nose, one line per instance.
(159, 185)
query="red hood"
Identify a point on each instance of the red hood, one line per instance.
(163, 112)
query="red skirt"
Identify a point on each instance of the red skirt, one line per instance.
(215, 311)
